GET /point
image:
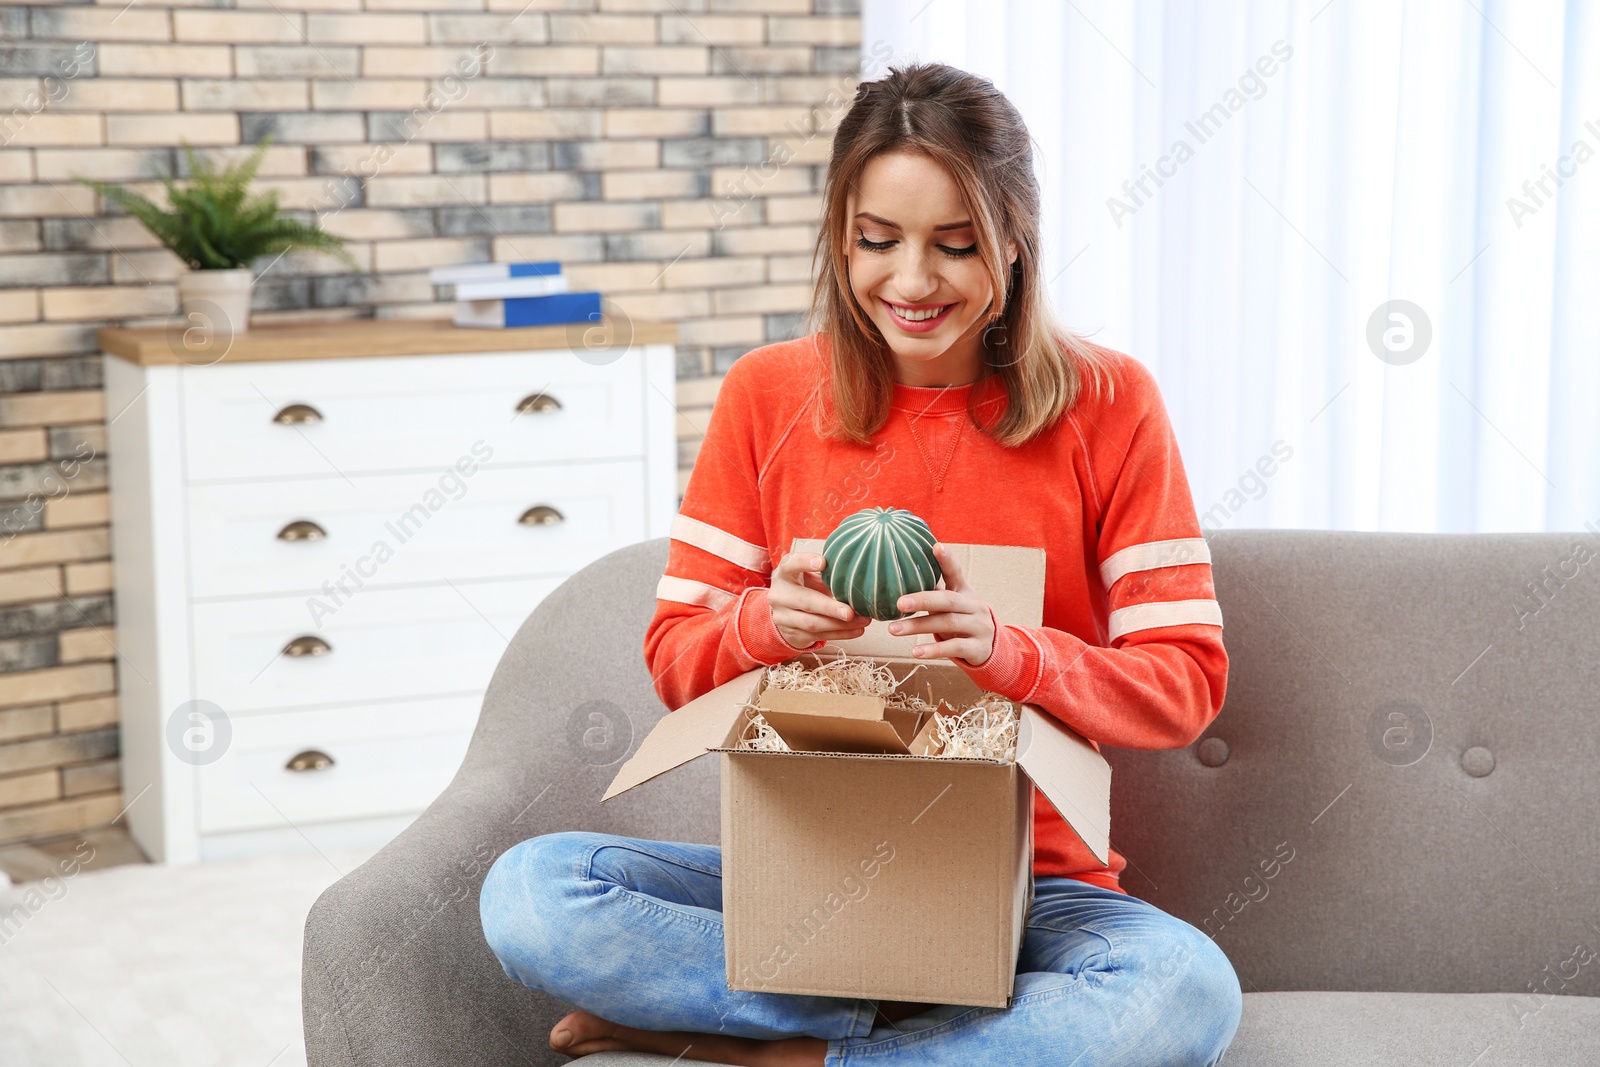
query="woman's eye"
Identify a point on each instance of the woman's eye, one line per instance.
(880, 246)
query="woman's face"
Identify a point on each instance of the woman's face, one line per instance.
(914, 268)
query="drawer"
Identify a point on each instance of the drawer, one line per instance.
(392, 758)
(422, 526)
(409, 413)
(382, 644)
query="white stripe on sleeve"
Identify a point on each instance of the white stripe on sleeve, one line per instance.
(719, 542)
(1164, 613)
(1153, 554)
(688, 591)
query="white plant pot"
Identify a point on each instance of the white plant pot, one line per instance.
(217, 301)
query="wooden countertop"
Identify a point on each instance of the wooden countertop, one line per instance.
(349, 338)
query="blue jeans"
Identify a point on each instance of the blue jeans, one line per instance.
(631, 930)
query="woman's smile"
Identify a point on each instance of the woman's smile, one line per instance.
(918, 318)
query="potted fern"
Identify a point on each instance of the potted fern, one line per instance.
(219, 228)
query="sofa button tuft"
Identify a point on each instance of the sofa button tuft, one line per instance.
(1477, 761)
(1213, 752)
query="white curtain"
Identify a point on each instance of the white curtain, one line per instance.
(1317, 163)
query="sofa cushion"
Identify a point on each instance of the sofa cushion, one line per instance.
(1414, 1030)
(1400, 789)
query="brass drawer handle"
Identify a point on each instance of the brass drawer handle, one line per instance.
(538, 404)
(298, 413)
(309, 760)
(307, 645)
(541, 515)
(302, 530)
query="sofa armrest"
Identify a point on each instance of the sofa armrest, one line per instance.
(395, 968)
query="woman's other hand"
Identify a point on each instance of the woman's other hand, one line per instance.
(957, 616)
(803, 609)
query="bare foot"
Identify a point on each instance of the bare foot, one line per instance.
(590, 1033)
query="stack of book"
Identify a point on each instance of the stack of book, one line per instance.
(515, 294)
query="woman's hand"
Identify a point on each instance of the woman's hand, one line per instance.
(958, 617)
(802, 607)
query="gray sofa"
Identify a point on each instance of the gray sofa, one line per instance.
(1393, 827)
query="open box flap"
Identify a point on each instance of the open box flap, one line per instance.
(823, 722)
(703, 723)
(926, 742)
(821, 733)
(1010, 577)
(1068, 771)
(829, 705)
(905, 721)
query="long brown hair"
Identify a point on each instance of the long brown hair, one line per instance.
(964, 123)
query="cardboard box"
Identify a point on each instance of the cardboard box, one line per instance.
(858, 865)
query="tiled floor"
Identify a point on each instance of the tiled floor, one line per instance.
(129, 963)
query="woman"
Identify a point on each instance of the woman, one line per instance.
(937, 382)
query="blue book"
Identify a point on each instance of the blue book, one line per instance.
(490, 272)
(552, 310)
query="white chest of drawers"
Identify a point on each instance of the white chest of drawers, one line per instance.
(323, 542)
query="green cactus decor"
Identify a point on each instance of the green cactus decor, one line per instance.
(877, 556)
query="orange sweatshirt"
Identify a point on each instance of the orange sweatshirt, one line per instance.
(1130, 653)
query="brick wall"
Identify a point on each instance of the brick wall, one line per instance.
(668, 152)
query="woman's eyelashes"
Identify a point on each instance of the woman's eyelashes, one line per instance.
(883, 246)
